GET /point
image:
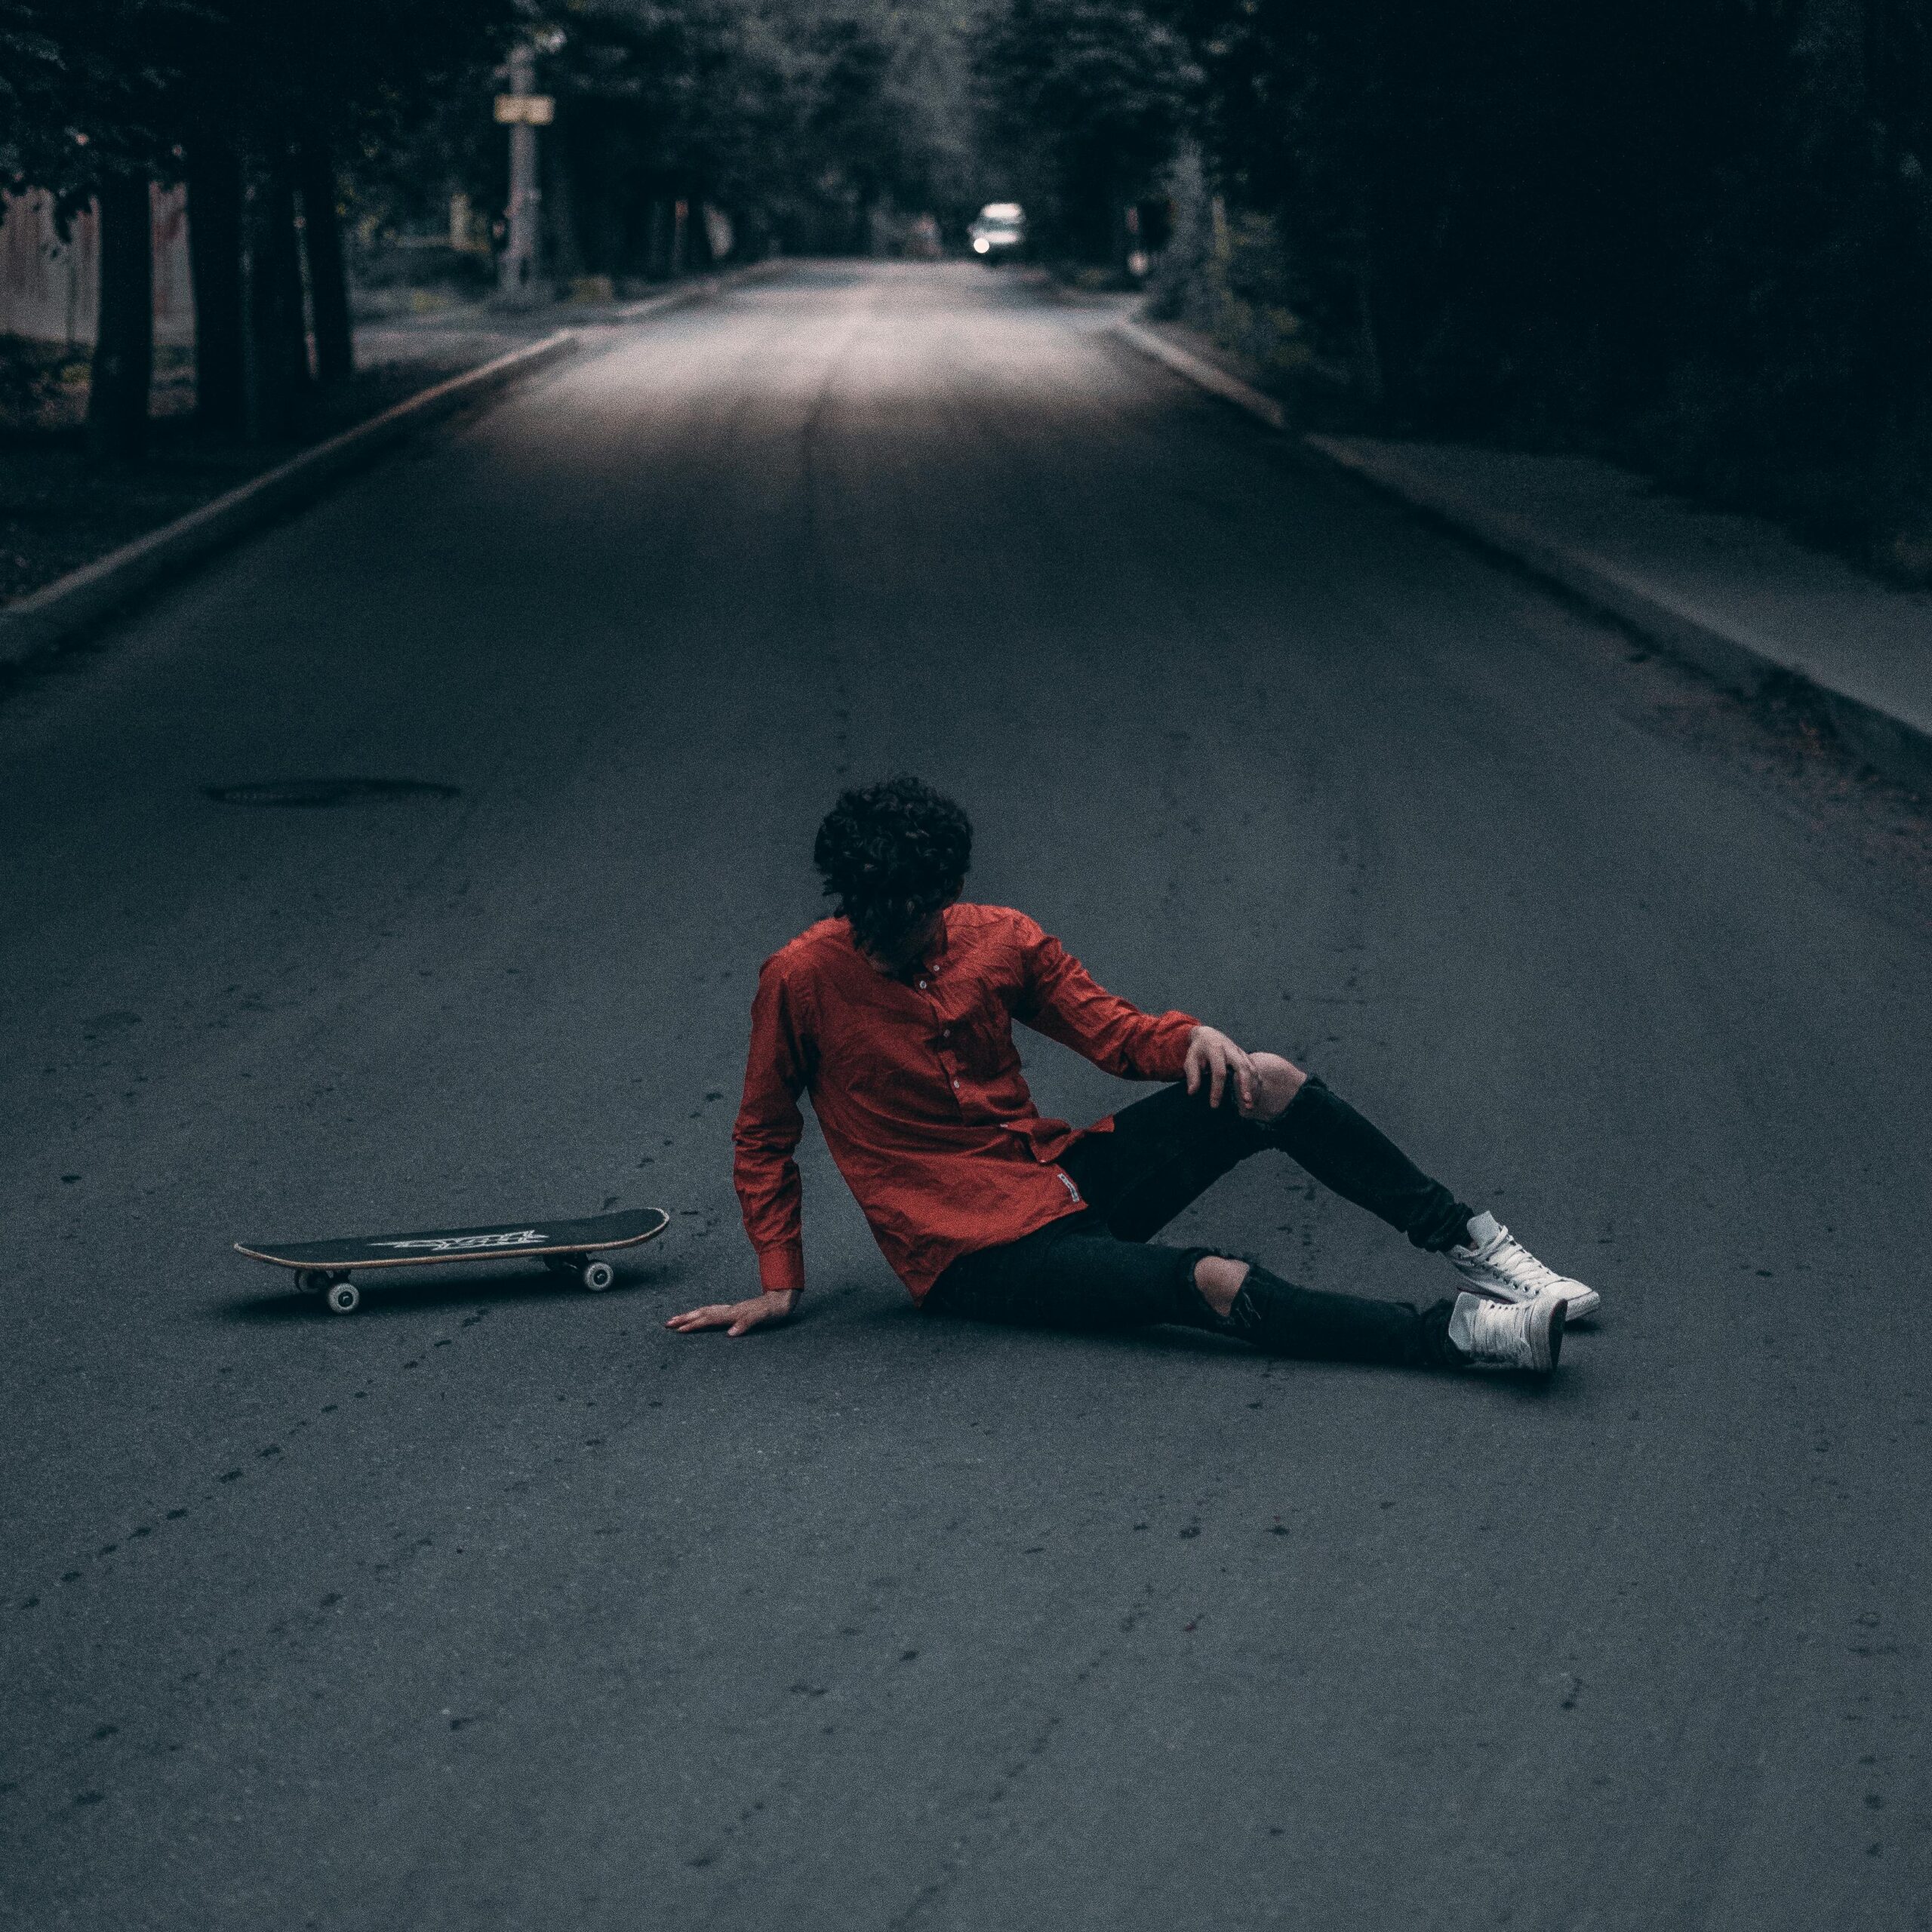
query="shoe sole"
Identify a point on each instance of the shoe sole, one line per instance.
(1559, 1320)
(1581, 1306)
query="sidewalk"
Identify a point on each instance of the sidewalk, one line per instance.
(466, 333)
(58, 514)
(78, 544)
(1734, 595)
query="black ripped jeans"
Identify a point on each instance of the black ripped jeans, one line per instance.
(1102, 1269)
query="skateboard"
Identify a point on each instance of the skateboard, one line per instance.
(566, 1248)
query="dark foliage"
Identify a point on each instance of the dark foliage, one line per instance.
(815, 125)
(91, 89)
(1508, 212)
(810, 125)
(1083, 100)
(240, 98)
(1697, 233)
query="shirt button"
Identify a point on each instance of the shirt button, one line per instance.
(922, 985)
(945, 1032)
(956, 1083)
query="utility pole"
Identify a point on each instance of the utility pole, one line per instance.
(524, 110)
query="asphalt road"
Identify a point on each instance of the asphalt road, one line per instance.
(496, 1606)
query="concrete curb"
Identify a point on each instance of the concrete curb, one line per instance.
(701, 290)
(61, 609)
(1729, 654)
(1203, 373)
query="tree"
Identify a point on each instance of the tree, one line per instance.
(806, 120)
(328, 270)
(278, 89)
(1087, 97)
(248, 100)
(214, 169)
(88, 90)
(1712, 214)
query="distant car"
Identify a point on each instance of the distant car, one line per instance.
(999, 232)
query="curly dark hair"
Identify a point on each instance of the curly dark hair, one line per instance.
(891, 854)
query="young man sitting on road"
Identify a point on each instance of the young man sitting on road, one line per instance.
(896, 1017)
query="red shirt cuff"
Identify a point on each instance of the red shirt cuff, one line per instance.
(782, 1270)
(1170, 1053)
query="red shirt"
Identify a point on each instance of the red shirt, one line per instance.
(918, 1088)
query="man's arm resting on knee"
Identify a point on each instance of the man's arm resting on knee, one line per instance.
(1060, 998)
(1065, 1002)
(1214, 1061)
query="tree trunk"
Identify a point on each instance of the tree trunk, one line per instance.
(657, 247)
(560, 252)
(328, 272)
(1371, 372)
(278, 341)
(124, 336)
(214, 262)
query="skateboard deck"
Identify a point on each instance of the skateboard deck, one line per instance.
(569, 1247)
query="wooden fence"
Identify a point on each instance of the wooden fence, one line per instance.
(49, 288)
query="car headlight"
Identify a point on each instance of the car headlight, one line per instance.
(980, 244)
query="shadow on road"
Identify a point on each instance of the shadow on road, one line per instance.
(443, 1290)
(888, 1322)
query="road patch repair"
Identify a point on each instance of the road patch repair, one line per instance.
(1735, 595)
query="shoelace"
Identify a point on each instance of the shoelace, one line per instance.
(1517, 1265)
(1495, 1334)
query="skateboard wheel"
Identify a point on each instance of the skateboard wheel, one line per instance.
(344, 1297)
(597, 1275)
(311, 1281)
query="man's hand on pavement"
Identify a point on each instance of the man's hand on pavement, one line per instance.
(736, 1318)
(1213, 1057)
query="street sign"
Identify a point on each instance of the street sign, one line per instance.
(532, 110)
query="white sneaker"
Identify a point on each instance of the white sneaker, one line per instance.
(1496, 1264)
(1526, 1335)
